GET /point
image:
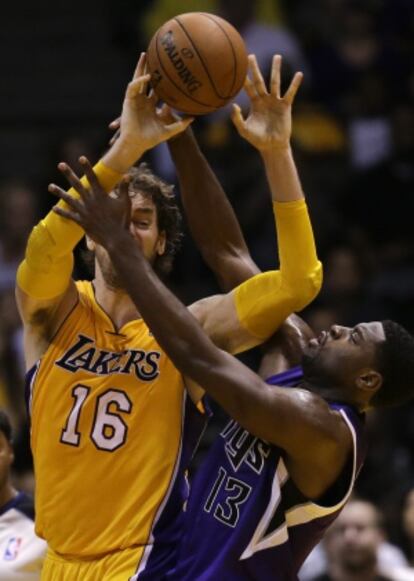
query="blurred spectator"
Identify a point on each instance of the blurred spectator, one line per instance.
(11, 358)
(370, 139)
(345, 291)
(263, 40)
(405, 526)
(355, 549)
(348, 46)
(17, 215)
(21, 551)
(379, 201)
(378, 206)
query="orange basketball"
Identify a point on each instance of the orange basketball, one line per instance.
(197, 61)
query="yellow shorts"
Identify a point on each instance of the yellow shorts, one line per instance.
(119, 566)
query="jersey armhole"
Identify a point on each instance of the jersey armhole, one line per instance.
(339, 492)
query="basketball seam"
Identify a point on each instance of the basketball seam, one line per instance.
(174, 83)
(207, 15)
(201, 60)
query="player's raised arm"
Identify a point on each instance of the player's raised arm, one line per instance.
(268, 128)
(44, 290)
(259, 306)
(269, 413)
(211, 218)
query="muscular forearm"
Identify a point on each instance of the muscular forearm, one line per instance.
(122, 155)
(211, 218)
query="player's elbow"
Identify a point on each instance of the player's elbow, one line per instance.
(306, 287)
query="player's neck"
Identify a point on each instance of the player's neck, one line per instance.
(334, 393)
(115, 302)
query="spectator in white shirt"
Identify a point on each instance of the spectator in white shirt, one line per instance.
(21, 551)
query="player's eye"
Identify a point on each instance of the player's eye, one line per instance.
(354, 336)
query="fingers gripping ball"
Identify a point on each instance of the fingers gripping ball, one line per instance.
(197, 62)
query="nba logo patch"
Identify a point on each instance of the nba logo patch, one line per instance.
(12, 549)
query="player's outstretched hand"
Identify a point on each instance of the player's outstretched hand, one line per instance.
(269, 122)
(99, 214)
(140, 122)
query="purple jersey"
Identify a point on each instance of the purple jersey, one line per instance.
(245, 518)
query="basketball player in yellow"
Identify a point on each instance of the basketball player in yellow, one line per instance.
(113, 422)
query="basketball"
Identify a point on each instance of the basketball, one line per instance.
(197, 62)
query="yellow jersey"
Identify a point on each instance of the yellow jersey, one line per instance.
(112, 431)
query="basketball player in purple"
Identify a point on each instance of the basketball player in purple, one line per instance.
(253, 512)
(285, 464)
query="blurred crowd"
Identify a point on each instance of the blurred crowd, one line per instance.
(353, 139)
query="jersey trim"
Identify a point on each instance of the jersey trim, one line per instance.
(31, 376)
(287, 378)
(297, 515)
(280, 535)
(158, 515)
(162, 549)
(150, 543)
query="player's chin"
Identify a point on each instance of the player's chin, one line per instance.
(311, 349)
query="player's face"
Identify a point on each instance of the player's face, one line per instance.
(144, 228)
(338, 356)
(6, 459)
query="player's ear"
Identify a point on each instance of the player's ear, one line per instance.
(161, 243)
(90, 244)
(369, 381)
